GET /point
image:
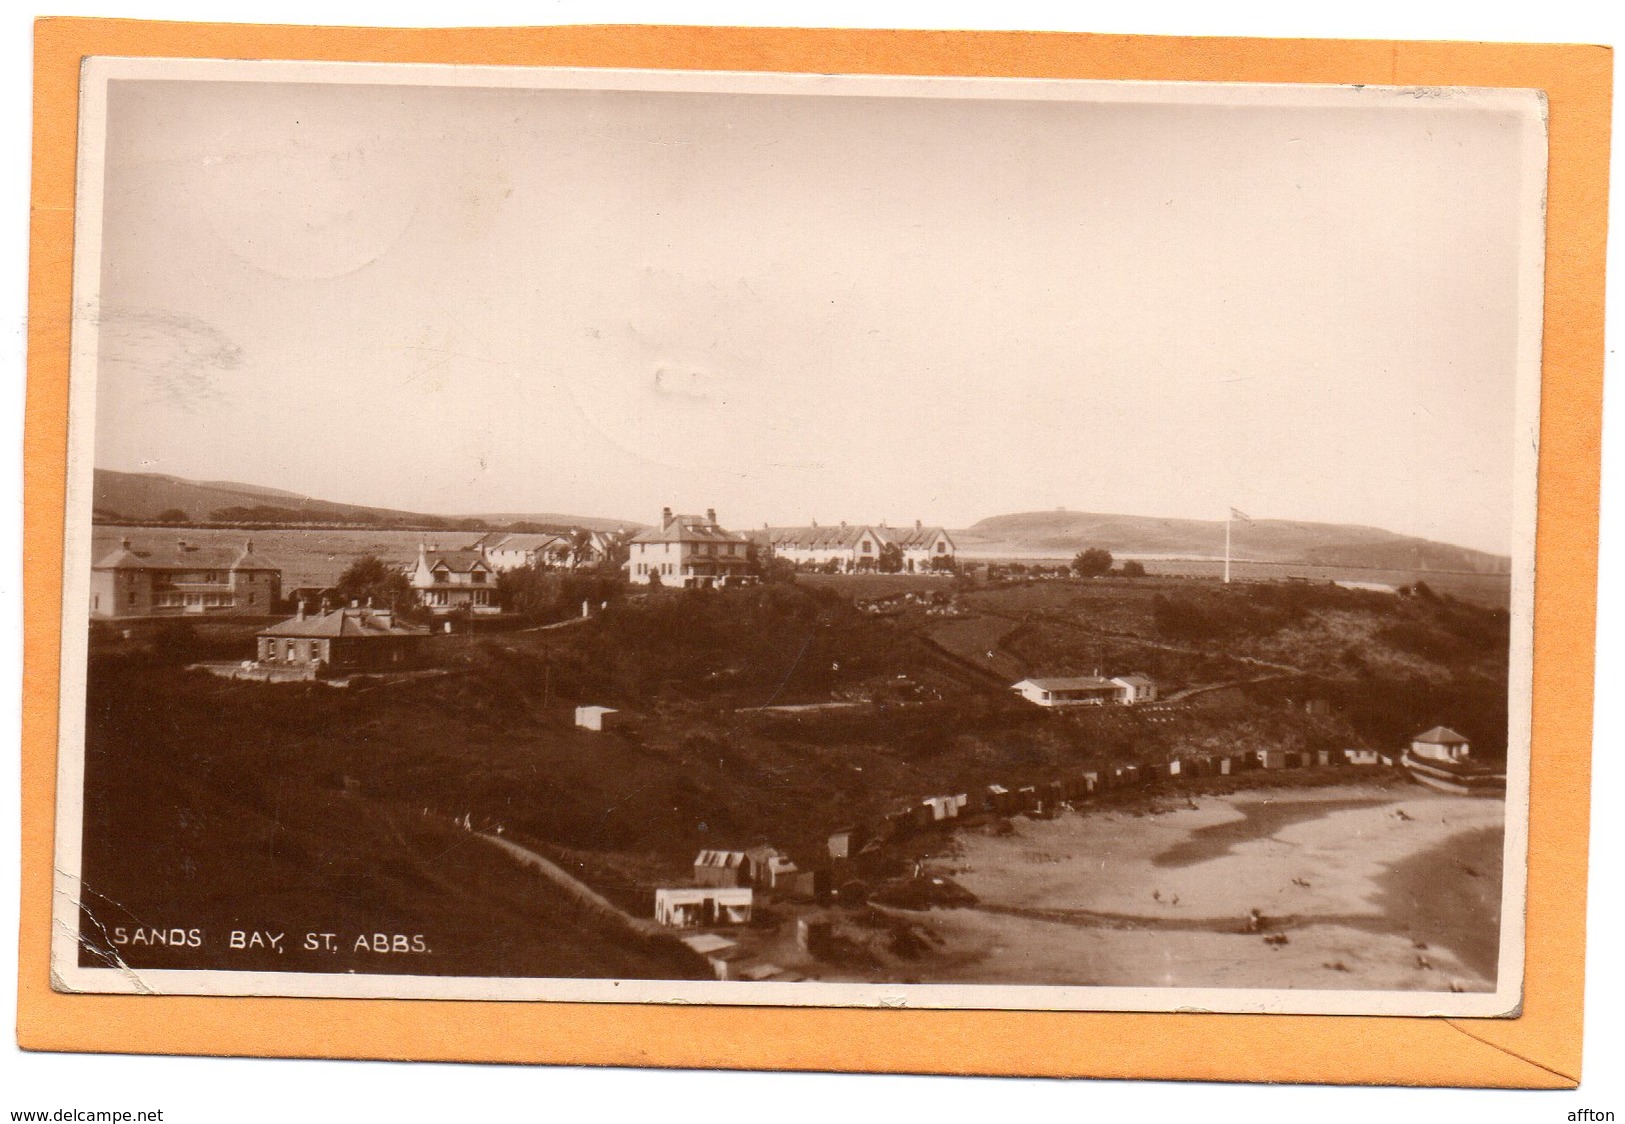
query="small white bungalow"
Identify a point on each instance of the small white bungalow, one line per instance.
(1440, 744)
(694, 907)
(1082, 690)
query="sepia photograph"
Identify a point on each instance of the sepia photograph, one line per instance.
(777, 539)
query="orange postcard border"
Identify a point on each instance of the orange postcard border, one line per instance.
(1539, 1049)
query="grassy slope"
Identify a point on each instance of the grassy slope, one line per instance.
(224, 807)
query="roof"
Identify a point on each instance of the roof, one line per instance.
(1075, 683)
(179, 555)
(688, 528)
(723, 859)
(457, 561)
(500, 540)
(1440, 735)
(703, 943)
(358, 623)
(916, 537)
(844, 535)
(838, 537)
(1135, 680)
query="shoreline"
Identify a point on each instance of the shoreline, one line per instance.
(1353, 884)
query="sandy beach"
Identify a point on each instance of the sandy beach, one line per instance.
(1355, 887)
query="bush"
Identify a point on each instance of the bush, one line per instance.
(1092, 563)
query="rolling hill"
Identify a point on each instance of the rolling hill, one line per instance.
(1063, 533)
(143, 496)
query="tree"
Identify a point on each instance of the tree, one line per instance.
(1133, 569)
(371, 580)
(580, 547)
(891, 558)
(173, 515)
(1092, 563)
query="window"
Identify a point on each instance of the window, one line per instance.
(866, 546)
(477, 575)
(132, 598)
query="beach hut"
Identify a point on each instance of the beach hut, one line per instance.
(1271, 759)
(1323, 757)
(1224, 766)
(596, 718)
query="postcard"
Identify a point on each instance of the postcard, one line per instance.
(612, 535)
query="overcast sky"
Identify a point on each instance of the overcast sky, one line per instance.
(797, 307)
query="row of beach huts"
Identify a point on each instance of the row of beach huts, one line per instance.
(726, 882)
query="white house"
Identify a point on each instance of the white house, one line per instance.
(850, 548)
(924, 548)
(1440, 744)
(1082, 690)
(688, 908)
(691, 551)
(512, 552)
(1088, 690)
(856, 548)
(448, 580)
(1136, 688)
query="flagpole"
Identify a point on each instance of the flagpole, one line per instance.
(1228, 516)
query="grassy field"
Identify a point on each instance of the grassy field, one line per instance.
(1487, 589)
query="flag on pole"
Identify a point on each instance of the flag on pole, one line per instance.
(1237, 513)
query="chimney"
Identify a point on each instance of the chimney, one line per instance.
(180, 544)
(916, 524)
(125, 542)
(248, 547)
(711, 515)
(301, 615)
(665, 517)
